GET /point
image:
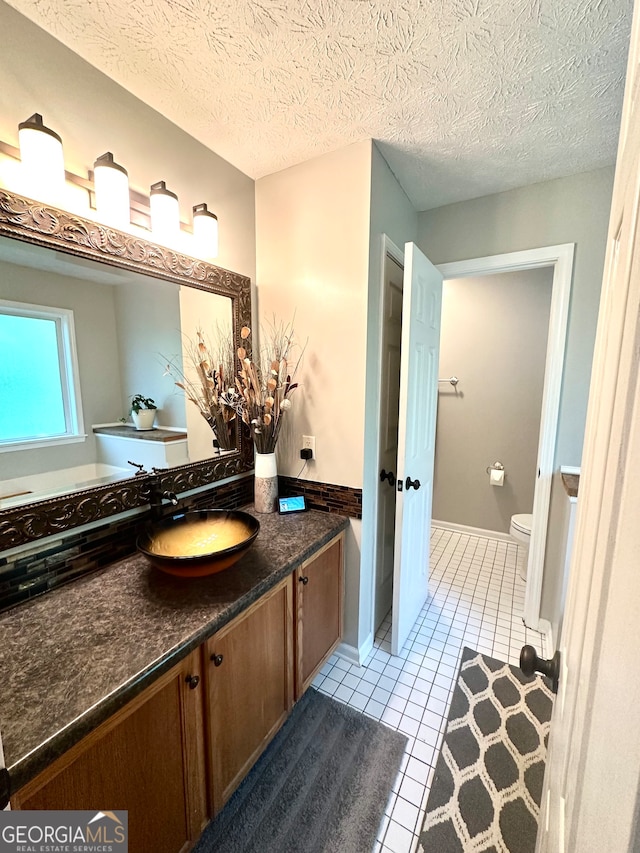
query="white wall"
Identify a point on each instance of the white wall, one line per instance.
(567, 210)
(312, 239)
(210, 314)
(494, 339)
(312, 247)
(148, 328)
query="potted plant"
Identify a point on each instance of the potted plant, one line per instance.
(143, 411)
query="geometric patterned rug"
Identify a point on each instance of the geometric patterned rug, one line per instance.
(485, 794)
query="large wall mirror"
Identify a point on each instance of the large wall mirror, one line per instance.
(125, 309)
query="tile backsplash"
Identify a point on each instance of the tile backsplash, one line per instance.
(25, 575)
(324, 497)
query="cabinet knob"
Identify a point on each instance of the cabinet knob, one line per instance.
(217, 659)
(192, 681)
(304, 580)
(409, 483)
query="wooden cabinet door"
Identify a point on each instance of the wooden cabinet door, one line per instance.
(319, 605)
(148, 759)
(249, 681)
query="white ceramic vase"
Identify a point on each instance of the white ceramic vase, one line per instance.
(144, 418)
(266, 482)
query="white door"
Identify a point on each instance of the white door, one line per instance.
(421, 310)
(592, 787)
(388, 449)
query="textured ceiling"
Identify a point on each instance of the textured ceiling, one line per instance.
(465, 97)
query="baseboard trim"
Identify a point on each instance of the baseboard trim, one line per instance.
(473, 531)
(349, 653)
(356, 656)
(570, 469)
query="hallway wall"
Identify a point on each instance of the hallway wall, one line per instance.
(494, 338)
(567, 210)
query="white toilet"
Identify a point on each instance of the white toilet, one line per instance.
(520, 530)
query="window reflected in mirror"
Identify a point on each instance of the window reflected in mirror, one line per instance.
(65, 421)
(39, 382)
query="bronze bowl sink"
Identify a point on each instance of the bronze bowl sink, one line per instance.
(216, 538)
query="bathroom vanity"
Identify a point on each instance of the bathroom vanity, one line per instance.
(133, 690)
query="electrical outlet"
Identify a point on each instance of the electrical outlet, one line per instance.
(309, 441)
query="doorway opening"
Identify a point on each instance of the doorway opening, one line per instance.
(493, 341)
(560, 260)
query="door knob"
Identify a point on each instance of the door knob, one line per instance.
(530, 663)
(415, 483)
(388, 476)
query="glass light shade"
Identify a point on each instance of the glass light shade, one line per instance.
(205, 231)
(111, 184)
(165, 213)
(42, 161)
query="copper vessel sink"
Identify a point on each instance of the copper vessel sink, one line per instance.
(198, 543)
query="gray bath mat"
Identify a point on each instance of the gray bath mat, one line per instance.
(321, 786)
(485, 795)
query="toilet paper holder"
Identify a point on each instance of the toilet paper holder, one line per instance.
(497, 466)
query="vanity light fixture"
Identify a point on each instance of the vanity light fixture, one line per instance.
(205, 231)
(111, 184)
(37, 170)
(42, 160)
(165, 213)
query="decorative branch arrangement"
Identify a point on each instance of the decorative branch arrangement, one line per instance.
(262, 391)
(258, 393)
(212, 365)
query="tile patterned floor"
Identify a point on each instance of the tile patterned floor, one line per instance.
(475, 599)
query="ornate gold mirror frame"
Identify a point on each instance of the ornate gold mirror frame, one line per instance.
(32, 222)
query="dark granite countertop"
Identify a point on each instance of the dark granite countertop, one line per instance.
(129, 431)
(70, 659)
